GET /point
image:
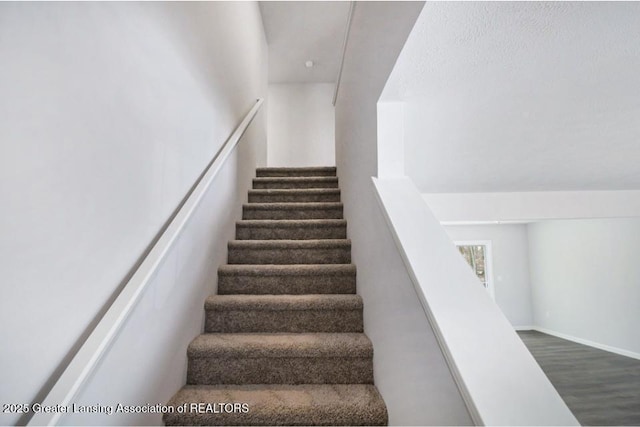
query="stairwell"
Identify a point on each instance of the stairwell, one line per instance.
(284, 335)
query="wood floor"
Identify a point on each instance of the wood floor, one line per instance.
(600, 388)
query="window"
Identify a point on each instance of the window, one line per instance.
(478, 256)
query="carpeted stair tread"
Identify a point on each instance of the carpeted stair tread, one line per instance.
(283, 313)
(281, 404)
(289, 210)
(275, 345)
(320, 251)
(280, 358)
(291, 229)
(294, 195)
(296, 171)
(283, 302)
(287, 270)
(290, 244)
(287, 279)
(292, 206)
(296, 182)
(291, 223)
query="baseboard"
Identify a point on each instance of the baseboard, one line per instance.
(524, 328)
(604, 347)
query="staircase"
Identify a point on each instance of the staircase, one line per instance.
(284, 335)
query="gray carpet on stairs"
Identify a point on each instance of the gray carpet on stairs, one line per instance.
(294, 195)
(283, 340)
(287, 279)
(283, 313)
(288, 210)
(285, 229)
(295, 182)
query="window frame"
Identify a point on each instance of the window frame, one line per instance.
(488, 258)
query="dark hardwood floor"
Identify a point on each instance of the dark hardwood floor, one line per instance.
(600, 388)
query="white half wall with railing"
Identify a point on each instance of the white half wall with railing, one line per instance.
(109, 115)
(500, 381)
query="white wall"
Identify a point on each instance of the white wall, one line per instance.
(585, 279)
(390, 140)
(301, 125)
(510, 262)
(409, 368)
(108, 114)
(533, 205)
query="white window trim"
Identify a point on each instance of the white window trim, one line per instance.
(488, 256)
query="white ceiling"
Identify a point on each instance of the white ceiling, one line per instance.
(298, 31)
(522, 96)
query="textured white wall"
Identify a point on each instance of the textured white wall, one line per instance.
(409, 368)
(108, 114)
(522, 96)
(585, 279)
(301, 125)
(510, 250)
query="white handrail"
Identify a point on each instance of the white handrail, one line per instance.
(344, 51)
(85, 360)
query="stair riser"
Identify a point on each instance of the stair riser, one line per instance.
(329, 213)
(260, 185)
(293, 198)
(317, 416)
(339, 255)
(238, 321)
(337, 405)
(280, 370)
(280, 285)
(291, 233)
(266, 173)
